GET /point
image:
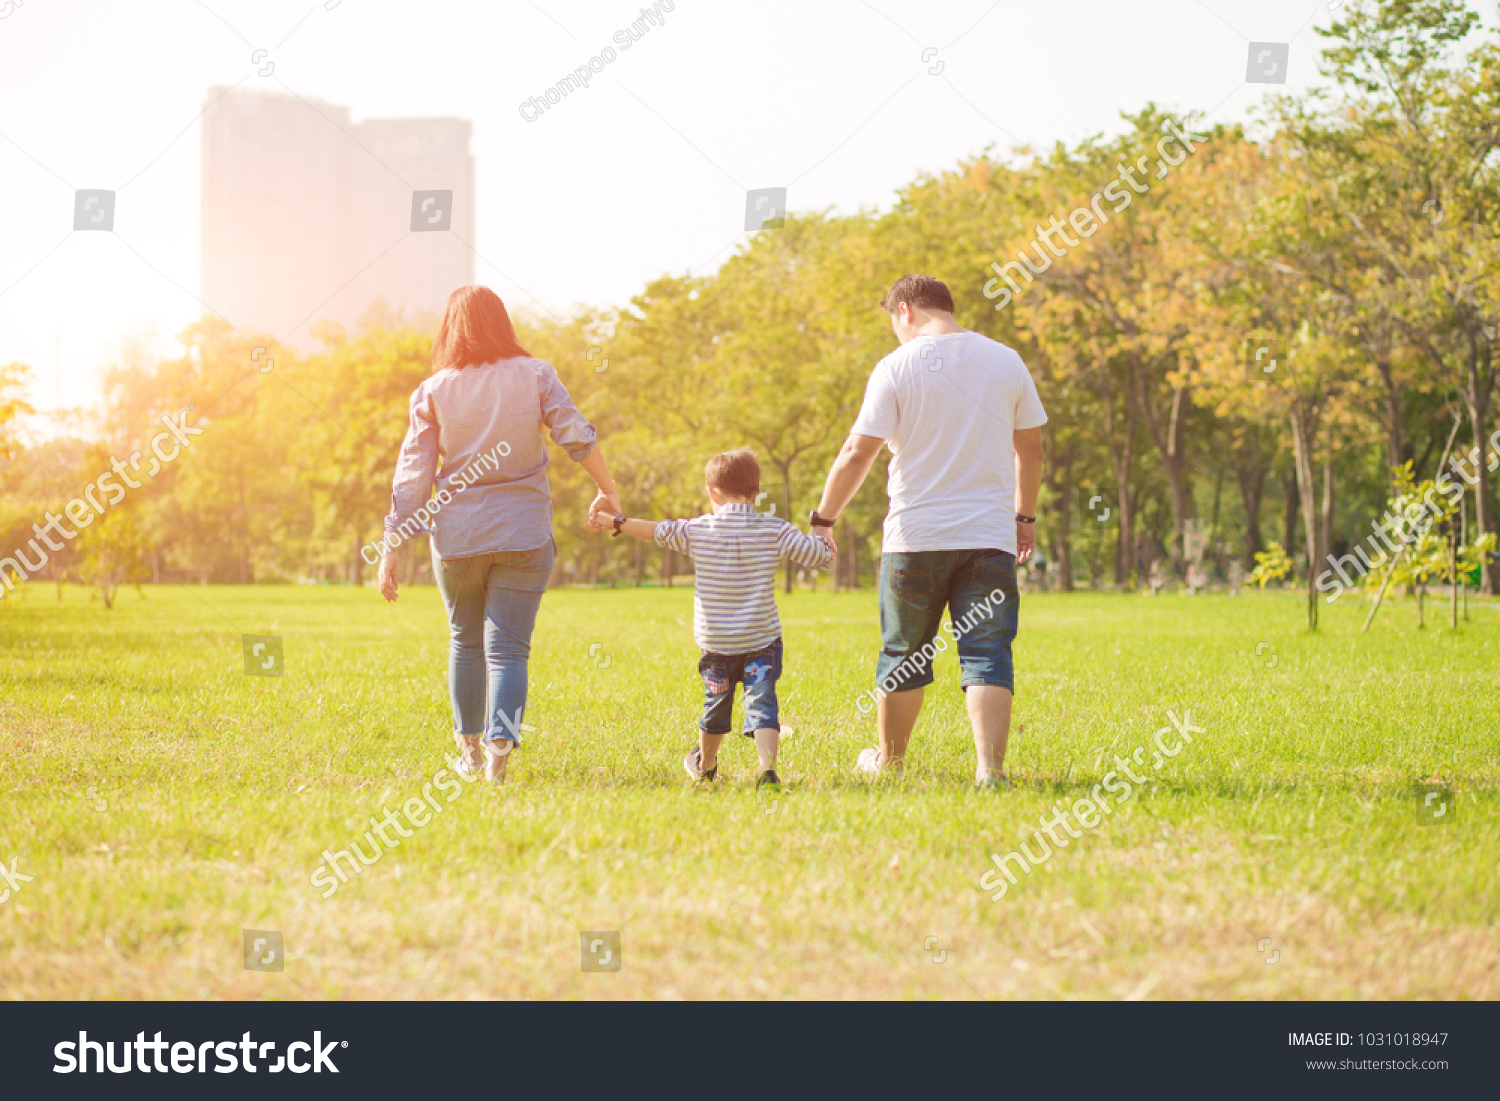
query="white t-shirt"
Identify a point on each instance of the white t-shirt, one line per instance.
(948, 406)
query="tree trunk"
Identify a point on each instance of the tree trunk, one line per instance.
(1304, 435)
(1325, 539)
(1119, 457)
(1062, 537)
(1478, 401)
(1252, 482)
(1289, 518)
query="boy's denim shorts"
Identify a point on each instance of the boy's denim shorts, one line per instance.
(758, 672)
(977, 587)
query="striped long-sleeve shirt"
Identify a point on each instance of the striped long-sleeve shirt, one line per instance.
(735, 551)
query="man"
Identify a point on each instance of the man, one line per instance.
(963, 420)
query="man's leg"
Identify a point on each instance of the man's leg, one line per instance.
(989, 715)
(985, 607)
(913, 592)
(897, 714)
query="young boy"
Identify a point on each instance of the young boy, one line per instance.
(735, 550)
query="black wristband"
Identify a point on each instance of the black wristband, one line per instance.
(620, 519)
(1025, 519)
(816, 521)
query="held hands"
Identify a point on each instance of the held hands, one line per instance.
(602, 512)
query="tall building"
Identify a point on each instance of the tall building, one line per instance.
(307, 215)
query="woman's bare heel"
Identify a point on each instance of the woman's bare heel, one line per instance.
(497, 758)
(470, 756)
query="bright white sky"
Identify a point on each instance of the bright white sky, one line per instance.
(643, 173)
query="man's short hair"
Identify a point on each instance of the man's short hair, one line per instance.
(734, 472)
(920, 292)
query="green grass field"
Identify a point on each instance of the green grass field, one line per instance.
(163, 801)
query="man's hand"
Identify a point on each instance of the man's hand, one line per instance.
(1025, 541)
(387, 576)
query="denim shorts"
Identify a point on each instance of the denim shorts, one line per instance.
(758, 672)
(977, 587)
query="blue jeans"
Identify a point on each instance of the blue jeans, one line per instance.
(492, 601)
(978, 587)
(758, 672)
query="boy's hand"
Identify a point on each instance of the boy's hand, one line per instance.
(603, 511)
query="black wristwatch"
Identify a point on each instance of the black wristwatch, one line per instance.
(620, 519)
(1025, 519)
(816, 521)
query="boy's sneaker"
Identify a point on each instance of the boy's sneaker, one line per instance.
(693, 762)
(768, 778)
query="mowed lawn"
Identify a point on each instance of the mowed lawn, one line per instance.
(163, 802)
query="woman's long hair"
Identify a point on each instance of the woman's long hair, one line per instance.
(475, 329)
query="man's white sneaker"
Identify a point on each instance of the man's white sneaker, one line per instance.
(869, 760)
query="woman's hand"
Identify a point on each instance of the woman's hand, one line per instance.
(605, 508)
(387, 575)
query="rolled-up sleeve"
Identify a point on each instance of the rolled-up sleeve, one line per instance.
(675, 535)
(415, 467)
(567, 426)
(804, 550)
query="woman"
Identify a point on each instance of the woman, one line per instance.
(475, 436)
